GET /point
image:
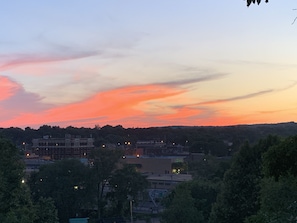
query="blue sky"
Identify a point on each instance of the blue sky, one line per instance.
(147, 63)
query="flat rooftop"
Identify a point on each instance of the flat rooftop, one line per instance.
(170, 177)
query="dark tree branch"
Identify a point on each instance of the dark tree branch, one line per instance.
(295, 18)
(254, 1)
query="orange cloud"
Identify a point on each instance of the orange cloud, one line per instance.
(183, 114)
(203, 116)
(109, 107)
(132, 106)
(224, 119)
(7, 88)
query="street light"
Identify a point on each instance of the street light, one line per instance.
(131, 210)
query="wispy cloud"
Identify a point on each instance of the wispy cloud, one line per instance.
(111, 106)
(277, 111)
(258, 63)
(247, 96)
(55, 52)
(12, 61)
(125, 106)
(199, 78)
(235, 98)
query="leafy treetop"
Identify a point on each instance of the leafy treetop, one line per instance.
(254, 1)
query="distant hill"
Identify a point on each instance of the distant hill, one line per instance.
(214, 139)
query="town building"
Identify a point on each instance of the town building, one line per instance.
(167, 181)
(153, 165)
(159, 148)
(62, 148)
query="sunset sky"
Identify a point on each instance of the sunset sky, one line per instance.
(143, 63)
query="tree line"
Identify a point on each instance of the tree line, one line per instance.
(260, 186)
(214, 140)
(67, 188)
(257, 185)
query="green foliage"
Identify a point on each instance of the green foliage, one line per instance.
(281, 159)
(105, 162)
(182, 208)
(66, 183)
(239, 197)
(213, 139)
(209, 168)
(202, 193)
(15, 203)
(72, 186)
(46, 211)
(279, 186)
(278, 201)
(21, 208)
(210, 145)
(125, 184)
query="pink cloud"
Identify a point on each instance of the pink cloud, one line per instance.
(15, 100)
(126, 106)
(109, 107)
(64, 54)
(7, 88)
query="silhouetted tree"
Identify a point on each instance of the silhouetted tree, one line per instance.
(254, 1)
(15, 202)
(125, 184)
(104, 164)
(46, 211)
(281, 159)
(239, 197)
(65, 182)
(278, 201)
(279, 186)
(182, 208)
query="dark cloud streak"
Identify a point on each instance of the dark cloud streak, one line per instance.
(194, 80)
(23, 59)
(247, 96)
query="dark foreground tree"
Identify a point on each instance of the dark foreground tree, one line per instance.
(279, 186)
(66, 183)
(281, 160)
(278, 201)
(15, 203)
(201, 195)
(182, 208)
(239, 196)
(125, 185)
(46, 211)
(254, 1)
(104, 164)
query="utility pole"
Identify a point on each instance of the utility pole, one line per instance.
(131, 210)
